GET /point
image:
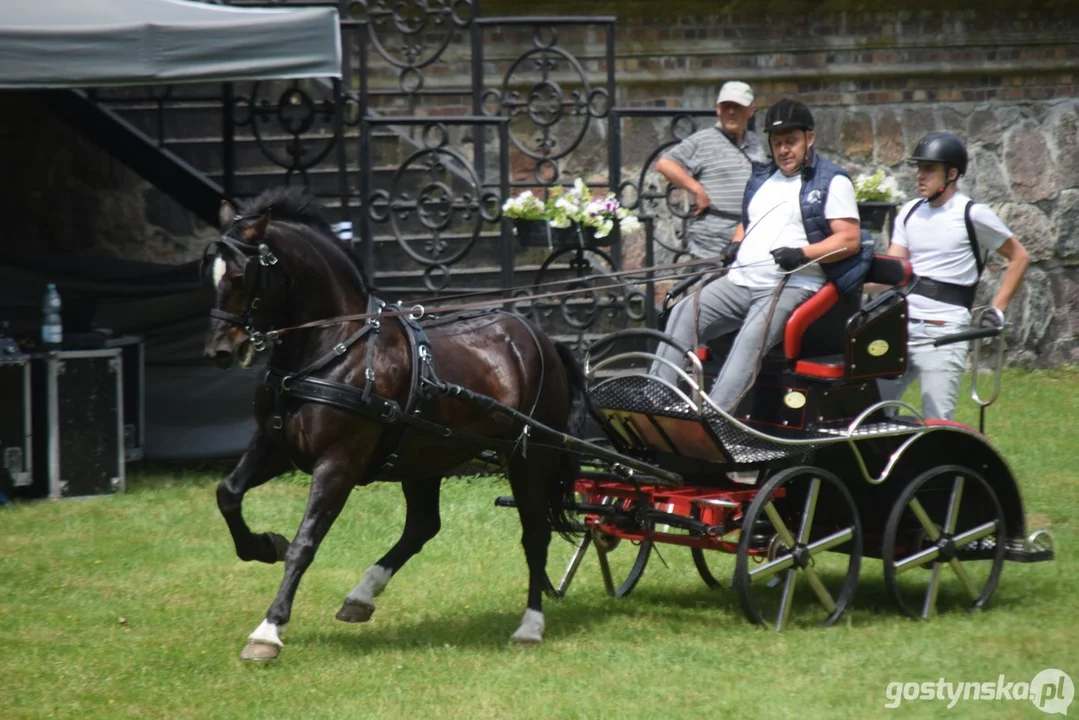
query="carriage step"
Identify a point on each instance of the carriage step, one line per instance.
(1036, 547)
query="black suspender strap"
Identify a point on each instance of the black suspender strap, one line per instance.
(910, 212)
(962, 295)
(973, 237)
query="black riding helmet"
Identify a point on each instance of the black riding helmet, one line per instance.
(942, 147)
(788, 114)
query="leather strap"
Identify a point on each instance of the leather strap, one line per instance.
(950, 293)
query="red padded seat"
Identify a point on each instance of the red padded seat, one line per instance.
(827, 368)
(805, 315)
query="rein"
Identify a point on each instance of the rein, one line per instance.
(417, 311)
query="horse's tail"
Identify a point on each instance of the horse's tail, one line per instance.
(570, 466)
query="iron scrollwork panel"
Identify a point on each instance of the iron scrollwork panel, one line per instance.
(436, 208)
(551, 101)
(556, 107)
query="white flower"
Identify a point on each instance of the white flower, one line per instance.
(629, 224)
(604, 228)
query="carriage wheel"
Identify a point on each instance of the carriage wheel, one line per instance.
(812, 515)
(620, 566)
(720, 561)
(948, 522)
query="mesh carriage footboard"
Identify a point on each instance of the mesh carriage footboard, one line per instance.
(637, 393)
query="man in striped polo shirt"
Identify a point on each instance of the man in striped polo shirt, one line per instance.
(713, 165)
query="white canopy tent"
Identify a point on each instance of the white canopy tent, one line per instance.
(92, 43)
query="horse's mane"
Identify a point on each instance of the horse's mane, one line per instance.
(297, 205)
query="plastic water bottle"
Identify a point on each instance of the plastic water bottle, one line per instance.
(52, 330)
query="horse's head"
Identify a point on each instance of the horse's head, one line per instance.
(248, 287)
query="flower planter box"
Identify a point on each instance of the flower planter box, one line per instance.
(539, 233)
(877, 215)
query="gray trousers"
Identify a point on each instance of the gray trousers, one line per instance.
(724, 308)
(940, 370)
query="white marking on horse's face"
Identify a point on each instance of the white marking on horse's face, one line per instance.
(219, 270)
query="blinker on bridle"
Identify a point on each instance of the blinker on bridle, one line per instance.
(259, 258)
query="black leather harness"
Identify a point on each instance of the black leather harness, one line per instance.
(300, 386)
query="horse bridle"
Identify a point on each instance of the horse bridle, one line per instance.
(259, 258)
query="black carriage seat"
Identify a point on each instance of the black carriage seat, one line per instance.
(834, 337)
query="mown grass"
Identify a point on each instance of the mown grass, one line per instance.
(135, 606)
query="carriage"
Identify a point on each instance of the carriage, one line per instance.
(810, 473)
(811, 462)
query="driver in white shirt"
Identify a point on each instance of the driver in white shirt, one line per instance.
(798, 209)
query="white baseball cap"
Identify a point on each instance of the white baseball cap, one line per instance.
(735, 92)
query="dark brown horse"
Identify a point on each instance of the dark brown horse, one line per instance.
(279, 265)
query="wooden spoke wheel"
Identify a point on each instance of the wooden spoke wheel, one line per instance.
(807, 571)
(949, 523)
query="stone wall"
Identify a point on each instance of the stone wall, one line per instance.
(1025, 164)
(62, 194)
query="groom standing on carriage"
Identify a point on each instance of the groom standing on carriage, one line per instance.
(800, 228)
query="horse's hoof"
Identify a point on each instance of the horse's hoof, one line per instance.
(354, 612)
(526, 642)
(259, 650)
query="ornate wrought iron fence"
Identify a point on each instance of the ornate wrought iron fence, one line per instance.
(443, 114)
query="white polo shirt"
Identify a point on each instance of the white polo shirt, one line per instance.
(775, 221)
(940, 249)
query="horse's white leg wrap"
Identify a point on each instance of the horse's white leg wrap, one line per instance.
(267, 632)
(374, 581)
(531, 630)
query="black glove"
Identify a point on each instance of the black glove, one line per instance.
(789, 258)
(729, 253)
(992, 318)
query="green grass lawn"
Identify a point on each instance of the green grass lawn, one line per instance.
(135, 606)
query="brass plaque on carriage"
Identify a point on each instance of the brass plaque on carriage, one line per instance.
(878, 347)
(794, 400)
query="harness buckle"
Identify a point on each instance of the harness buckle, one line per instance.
(258, 340)
(340, 349)
(416, 312)
(277, 422)
(369, 374)
(266, 257)
(284, 383)
(255, 303)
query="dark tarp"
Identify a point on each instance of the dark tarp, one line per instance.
(88, 43)
(193, 408)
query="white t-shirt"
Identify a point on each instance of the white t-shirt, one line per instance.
(775, 215)
(940, 249)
